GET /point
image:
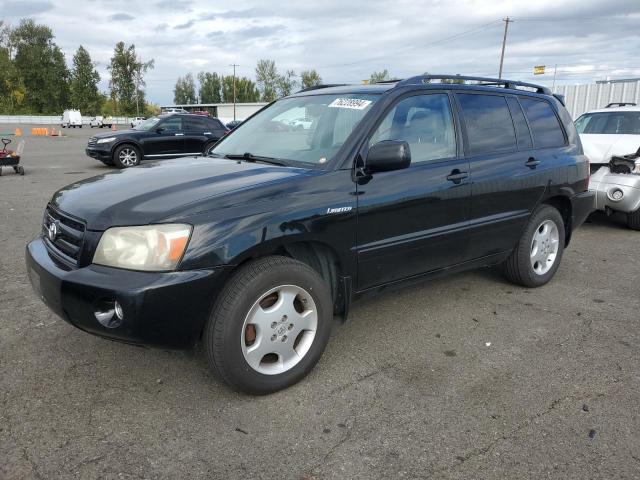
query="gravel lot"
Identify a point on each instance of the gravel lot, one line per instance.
(464, 377)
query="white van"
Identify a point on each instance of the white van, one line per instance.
(71, 118)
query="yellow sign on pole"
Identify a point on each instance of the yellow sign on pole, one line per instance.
(538, 70)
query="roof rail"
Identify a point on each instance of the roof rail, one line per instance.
(484, 81)
(621, 104)
(317, 87)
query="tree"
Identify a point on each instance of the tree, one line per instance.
(379, 76)
(84, 83)
(310, 78)
(40, 64)
(12, 89)
(185, 91)
(246, 90)
(210, 87)
(267, 78)
(127, 79)
(286, 83)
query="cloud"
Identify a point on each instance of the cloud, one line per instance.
(122, 17)
(18, 9)
(181, 5)
(161, 27)
(186, 25)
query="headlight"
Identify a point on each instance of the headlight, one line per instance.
(149, 248)
(106, 140)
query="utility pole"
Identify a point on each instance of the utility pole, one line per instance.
(504, 43)
(234, 65)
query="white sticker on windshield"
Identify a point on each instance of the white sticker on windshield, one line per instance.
(353, 103)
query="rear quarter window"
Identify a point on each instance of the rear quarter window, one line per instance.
(545, 127)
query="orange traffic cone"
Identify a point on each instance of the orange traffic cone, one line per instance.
(18, 132)
(53, 132)
(113, 127)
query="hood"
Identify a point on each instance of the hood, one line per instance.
(154, 191)
(600, 148)
(116, 133)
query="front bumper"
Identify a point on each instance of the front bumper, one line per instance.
(165, 309)
(582, 204)
(99, 153)
(604, 184)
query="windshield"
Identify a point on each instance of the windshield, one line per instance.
(309, 129)
(612, 123)
(148, 124)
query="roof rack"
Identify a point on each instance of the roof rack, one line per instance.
(326, 85)
(621, 104)
(484, 81)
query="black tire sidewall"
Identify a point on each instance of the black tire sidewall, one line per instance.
(207, 146)
(116, 155)
(543, 213)
(228, 334)
(633, 220)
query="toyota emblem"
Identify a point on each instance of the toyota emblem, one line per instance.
(52, 231)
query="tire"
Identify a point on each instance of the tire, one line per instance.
(522, 268)
(126, 156)
(207, 147)
(633, 220)
(229, 331)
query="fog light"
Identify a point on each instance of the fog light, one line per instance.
(615, 194)
(108, 313)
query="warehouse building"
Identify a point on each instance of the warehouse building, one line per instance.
(223, 111)
(582, 98)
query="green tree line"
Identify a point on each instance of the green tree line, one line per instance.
(270, 85)
(35, 79)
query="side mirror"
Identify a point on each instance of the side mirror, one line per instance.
(160, 130)
(388, 155)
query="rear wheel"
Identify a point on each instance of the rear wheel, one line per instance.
(537, 255)
(633, 220)
(208, 146)
(126, 156)
(269, 326)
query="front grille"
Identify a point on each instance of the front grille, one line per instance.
(68, 237)
(92, 142)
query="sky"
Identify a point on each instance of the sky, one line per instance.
(345, 41)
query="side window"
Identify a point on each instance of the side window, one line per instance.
(425, 122)
(214, 125)
(194, 124)
(488, 122)
(545, 127)
(173, 124)
(522, 129)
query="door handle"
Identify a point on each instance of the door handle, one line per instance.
(532, 163)
(457, 176)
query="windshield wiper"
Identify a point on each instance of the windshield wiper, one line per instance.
(250, 157)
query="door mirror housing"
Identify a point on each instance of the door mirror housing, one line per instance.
(388, 155)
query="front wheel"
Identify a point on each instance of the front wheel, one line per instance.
(126, 156)
(633, 220)
(269, 326)
(537, 255)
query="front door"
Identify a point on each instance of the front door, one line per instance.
(165, 140)
(413, 221)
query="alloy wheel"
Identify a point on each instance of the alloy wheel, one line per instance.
(544, 247)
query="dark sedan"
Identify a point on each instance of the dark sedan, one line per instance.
(164, 136)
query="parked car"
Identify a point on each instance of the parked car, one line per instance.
(99, 121)
(174, 110)
(233, 124)
(165, 136)
(201, 112)
(253, 250)
(71, 118)
(611, 141)
(137, 121)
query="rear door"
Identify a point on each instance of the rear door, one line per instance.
(507, 172)
(413, 221)
(166, 140)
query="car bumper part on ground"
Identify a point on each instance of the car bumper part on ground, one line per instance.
(166, 309)
(617, 191)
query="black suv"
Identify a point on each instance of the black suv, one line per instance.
(165, 136)
(255, 248)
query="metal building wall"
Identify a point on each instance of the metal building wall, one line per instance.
(582, 98)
